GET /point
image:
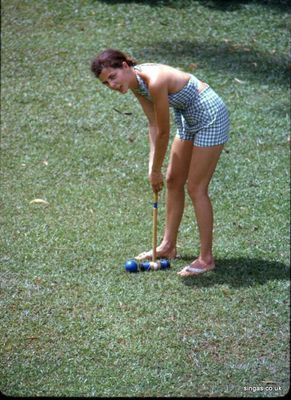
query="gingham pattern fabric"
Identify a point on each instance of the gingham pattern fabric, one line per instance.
(200, 117)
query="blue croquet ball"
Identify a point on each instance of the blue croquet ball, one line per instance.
(165, 264)
(131, 266)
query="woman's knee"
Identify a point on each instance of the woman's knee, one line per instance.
(174, 182)
(197, 191)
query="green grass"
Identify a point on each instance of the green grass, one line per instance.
(73, 323)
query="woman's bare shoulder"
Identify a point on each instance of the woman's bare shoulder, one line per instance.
(162, 74)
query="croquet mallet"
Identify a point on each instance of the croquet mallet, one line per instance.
(156, 264)
(155, 225)
(133, 265)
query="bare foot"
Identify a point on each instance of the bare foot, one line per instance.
(148, 255)
(196, 268)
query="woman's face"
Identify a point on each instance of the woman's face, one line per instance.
(116, 78)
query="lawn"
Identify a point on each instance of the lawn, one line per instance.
(73, 322)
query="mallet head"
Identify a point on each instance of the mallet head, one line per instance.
(154, 265)
(135, 266)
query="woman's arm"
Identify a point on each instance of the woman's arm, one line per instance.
(157, 113)
(159, 94)
(149, 111)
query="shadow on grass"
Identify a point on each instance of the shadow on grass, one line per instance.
(240, 272)
(221, 57)
(233, 5)
(222, 5)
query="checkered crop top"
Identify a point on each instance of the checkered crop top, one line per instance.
(179, 100)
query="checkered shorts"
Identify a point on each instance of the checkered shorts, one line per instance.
(204, 121)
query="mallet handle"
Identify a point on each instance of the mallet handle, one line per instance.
(155, 223)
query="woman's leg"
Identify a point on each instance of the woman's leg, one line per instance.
(179, 163)
(202, 167)
(178, 169)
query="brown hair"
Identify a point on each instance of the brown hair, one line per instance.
(110, 58)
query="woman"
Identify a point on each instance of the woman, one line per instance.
(202, 130)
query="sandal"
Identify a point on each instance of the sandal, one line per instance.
(193, 271)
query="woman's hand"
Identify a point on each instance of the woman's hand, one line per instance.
(156, 180)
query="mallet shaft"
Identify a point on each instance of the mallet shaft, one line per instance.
(155, 223)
